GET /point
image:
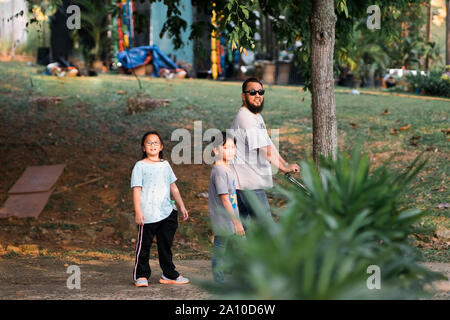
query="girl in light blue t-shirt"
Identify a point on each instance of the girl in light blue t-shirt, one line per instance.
(152, 182)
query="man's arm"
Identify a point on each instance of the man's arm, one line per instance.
(271, 153)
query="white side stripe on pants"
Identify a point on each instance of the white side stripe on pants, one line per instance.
(138, 249)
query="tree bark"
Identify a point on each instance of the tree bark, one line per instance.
(447, 34)
(429, 18)
(322, 25)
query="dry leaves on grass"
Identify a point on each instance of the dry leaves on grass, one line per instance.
(393, 131)
(413, 140)
(439, 240)
(46, 101)
(140, 103)
(443, 205)
(443, 235)
(403, 128)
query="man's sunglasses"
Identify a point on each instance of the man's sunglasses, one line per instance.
(254, 92)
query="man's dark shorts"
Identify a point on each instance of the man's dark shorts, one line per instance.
(245, 209)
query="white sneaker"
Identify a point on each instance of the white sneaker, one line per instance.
(179, 280)
(141, 283)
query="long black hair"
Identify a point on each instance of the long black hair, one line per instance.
(144, 154)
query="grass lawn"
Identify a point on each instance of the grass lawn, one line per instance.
(90, 132)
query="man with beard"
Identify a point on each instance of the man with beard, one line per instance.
(255, 150)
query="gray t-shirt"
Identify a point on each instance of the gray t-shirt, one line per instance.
(222, 181)
(252, 169)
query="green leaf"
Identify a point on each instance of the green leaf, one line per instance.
(245, 11)
(245, 27)
(409, 214)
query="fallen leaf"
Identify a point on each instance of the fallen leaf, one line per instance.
(405, 127)
(442, 234)
(202, 195)
(443, 205)
(418, 235)
(393, 131)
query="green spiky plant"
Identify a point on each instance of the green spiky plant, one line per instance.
(323, 244)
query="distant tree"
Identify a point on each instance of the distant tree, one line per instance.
(447, 33)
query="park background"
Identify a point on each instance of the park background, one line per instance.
(93, 124)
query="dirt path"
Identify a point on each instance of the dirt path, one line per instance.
(46, 278)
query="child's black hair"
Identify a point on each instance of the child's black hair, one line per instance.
(221, 139)
(144, 154)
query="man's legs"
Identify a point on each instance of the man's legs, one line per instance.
(246, 211)
(262, 197)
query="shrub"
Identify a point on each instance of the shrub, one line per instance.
(323, 243)
(434, 84)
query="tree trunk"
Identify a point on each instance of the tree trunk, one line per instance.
(322, 25)
(447, 34)
(429, 18)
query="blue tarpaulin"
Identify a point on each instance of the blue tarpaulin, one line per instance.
(136, 57)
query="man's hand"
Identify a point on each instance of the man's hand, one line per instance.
(239, 228)
(293, 167)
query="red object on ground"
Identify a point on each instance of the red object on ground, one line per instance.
(28, 205)
(29, 195)
(37, 179)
